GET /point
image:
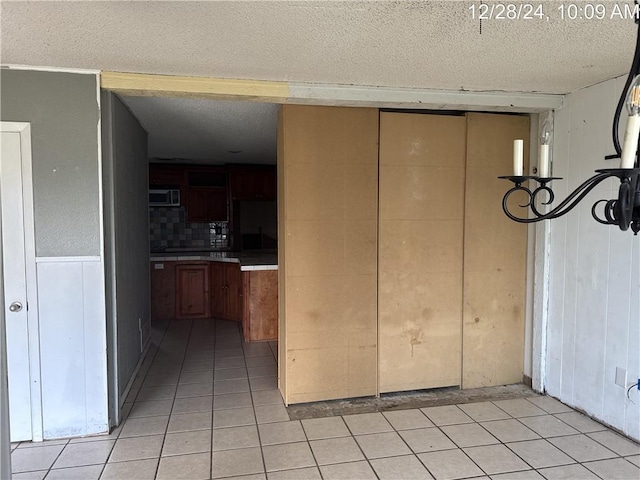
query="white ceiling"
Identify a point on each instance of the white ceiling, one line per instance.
(207, 131)
(419, 44)
(414, 44)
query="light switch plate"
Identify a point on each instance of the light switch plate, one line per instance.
(621, 377)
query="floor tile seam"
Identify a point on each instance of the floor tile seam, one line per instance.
(146, 373)
(255, 416)
(43, 444)
(531, 467)
(152, 416)
(627, 459)
(170, 455)
(194, 396)
(313, 455)
(579, 461)
(553, 436)
(520, 416)
(164, 437)
(476, 463)
(427, 468)
(604, 427)
(213, 379)
(54, 462)
(541, 396)
(609, 448)
(498, 441)
(574, 461)
(264, 467)
(57, 458)
(404, 410)
(492, 402)
(594, 473)
(360, 448)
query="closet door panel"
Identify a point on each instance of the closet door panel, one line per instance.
(421, 202)
(495, 251)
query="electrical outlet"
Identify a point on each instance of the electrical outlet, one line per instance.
(621, 377)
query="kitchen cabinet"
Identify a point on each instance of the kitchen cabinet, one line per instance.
(260, 309)
(163, 290)
(207, 204)
(218, 291)
(167, 175)
(226, 291)
(253, 183)
(192, 290)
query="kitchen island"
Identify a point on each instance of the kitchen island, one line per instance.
(241, 287)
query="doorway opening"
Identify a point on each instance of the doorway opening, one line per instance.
(192, 216)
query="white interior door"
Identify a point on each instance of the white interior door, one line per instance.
(15, 285)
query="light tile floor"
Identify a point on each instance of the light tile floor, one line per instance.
(206, 405)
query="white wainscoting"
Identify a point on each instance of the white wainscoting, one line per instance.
(73, 346)
(594, 289)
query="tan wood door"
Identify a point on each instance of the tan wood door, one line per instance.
(421, 217)
(495, 255)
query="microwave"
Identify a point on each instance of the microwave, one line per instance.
(167, 197)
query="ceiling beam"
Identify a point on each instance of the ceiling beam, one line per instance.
(137, 84)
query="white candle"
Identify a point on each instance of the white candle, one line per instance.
(518, 157)
(630, 144)
(543, 161)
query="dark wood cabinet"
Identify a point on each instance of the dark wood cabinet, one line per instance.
(207, 204)
(184, 290)
(192, 290)
(167, 175)
(235, 293)
(163, 290)
(252, 182)
(226, 291)
(218, 292)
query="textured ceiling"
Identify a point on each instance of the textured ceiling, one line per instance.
(419, 44)
(207, 131)
(416, 44)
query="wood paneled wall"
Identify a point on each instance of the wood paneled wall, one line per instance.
(328, 182)
(495, 250)
(422, 172)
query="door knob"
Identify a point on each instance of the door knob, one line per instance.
(15, 307)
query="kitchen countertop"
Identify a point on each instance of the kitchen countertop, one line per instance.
(247, 261)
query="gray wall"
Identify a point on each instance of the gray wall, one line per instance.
(126, 203)
(63, 111)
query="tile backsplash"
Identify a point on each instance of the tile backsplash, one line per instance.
(169, 229)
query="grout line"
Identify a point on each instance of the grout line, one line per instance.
(176, 391)
(213, 392)
(304, 432)
(255, 416)
(353, 437)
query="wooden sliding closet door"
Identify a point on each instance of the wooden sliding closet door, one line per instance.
(421, 217)
(327, 215)
(495, 250)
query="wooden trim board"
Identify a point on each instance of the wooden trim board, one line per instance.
(196, 87)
